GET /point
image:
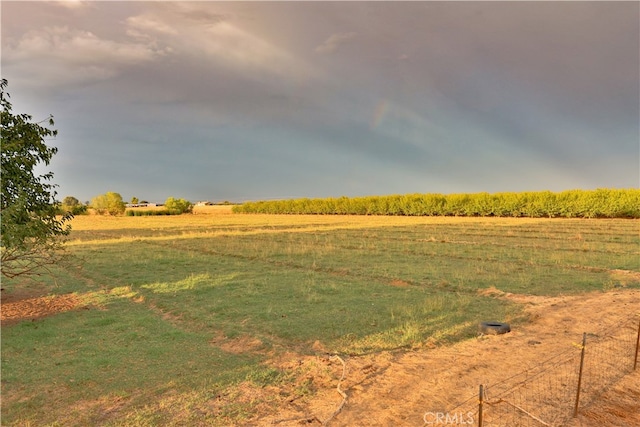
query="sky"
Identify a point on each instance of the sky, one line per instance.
(245, 101)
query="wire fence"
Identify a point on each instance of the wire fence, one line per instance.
(555, 390)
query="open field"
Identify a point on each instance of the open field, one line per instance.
(220, 318)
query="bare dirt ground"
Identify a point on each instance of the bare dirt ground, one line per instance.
(619, 407)
(398, 388)
(30, 304)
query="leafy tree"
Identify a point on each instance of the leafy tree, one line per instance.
(178, 205)
(32, 232)
(72, 205)
(109, 203)
(134, 200)
(70, 201)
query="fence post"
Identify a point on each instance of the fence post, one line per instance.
(635, 360)
(480, 400)
(584, 342)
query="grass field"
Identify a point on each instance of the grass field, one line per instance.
(182, 314)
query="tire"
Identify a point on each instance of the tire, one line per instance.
(494, 328)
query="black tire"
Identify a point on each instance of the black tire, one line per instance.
(494, 328)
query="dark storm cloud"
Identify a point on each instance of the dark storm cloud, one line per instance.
(262, 100)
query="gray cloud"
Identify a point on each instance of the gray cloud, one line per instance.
(262, 100)
(334, 41)
(63, 56)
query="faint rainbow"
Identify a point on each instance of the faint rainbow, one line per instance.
(379, 112)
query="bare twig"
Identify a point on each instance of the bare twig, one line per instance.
(342, 393)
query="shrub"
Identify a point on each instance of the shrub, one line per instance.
(109, 203)
(148, 212)
(179, 206)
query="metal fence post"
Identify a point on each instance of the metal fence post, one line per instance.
(635, 360)
(584, 342)
(480, 401)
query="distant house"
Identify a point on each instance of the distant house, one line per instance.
(204, 203)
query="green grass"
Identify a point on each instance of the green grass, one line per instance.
(168, 297)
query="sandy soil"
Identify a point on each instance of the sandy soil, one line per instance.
(398, 389)
(618, 407)
(30, 304)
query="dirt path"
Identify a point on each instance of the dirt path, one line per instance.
(399, 389)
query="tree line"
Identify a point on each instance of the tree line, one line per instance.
(112, 203)
(599, 203)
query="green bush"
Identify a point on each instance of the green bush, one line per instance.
(109, 203)
(178, 205)
(73, 206)
(155, 212)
